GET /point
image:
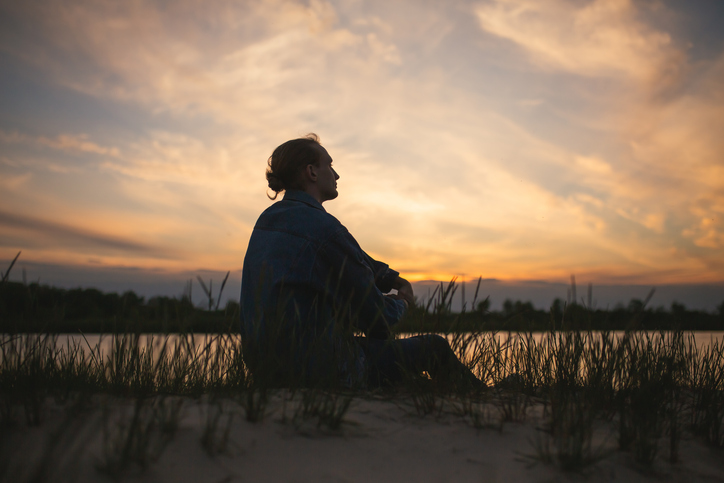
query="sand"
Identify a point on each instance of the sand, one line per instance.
(381, 440)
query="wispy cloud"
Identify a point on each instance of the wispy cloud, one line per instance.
(598, 38)
(60, 234)
(64, 142)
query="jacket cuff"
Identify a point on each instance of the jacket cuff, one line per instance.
(384, 276)
(385, 279)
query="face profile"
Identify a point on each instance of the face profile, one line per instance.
(326, 176)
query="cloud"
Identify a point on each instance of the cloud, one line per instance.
(14, 182)
(63, 142)
(78, 143)
(78, 237)
(387, 52)
(662, 165)
(594, 165)
(598, 38)
(675, 155)
(183, 58)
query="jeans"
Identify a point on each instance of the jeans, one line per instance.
(391, 361)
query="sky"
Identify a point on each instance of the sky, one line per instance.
(521, 141)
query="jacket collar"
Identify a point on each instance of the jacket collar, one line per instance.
(304, 197)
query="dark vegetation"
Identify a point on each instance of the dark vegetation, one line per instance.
(517, 316)
(40, 308)
(34, 308)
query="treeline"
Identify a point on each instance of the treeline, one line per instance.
(41, 308)
(519, 316)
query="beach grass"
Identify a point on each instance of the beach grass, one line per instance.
(654, 388)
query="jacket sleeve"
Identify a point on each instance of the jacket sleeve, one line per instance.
(355, 287)
(384, 276)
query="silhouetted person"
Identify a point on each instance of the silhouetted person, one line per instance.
(308, 290)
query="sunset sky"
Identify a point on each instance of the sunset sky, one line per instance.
(515, 140)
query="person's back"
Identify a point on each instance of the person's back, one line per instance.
(291, 305)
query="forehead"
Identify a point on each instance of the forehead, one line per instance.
(323, 154)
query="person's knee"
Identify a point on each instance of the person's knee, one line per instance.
(439, 348)
(438, 342)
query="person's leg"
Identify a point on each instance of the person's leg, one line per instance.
(391, 361)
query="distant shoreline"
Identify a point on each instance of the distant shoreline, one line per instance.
(34, 308)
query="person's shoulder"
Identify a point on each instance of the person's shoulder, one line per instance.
(323, 221)
(300, 217)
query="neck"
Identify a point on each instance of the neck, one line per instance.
(314, 193)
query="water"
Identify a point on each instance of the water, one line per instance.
(102, 344)
(701, 339)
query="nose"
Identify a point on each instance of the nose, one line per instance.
(336, 176)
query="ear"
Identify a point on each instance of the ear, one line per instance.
(311, 172)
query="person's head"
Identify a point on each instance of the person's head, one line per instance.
(302, 164)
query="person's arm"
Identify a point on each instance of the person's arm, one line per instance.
(404, 291)
(356, 287)
(387, 279)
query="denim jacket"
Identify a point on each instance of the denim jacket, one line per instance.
(306, 288)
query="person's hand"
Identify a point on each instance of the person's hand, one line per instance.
(404, 291)
(397, 297)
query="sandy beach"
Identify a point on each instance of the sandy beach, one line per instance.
(379, 440)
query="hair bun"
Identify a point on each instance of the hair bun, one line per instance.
(275, 184)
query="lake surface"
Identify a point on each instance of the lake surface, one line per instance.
(102, 344)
